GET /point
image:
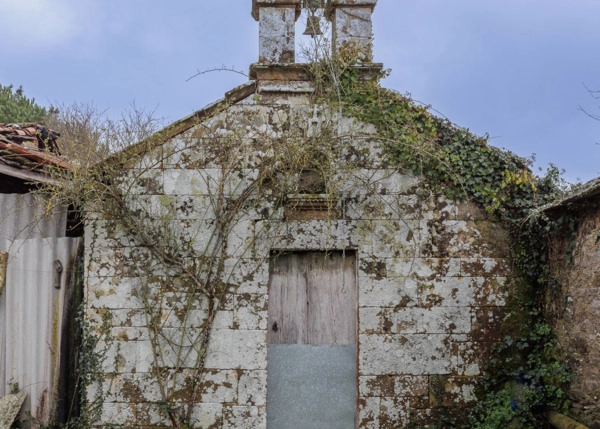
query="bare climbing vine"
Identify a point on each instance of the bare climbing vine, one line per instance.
(168, 218)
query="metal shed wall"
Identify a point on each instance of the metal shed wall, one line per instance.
(23, 217)
(32, 302)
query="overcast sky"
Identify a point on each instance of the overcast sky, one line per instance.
(514, 69)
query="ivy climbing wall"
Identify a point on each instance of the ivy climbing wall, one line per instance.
(177, 273)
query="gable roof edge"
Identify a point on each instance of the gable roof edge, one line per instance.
(182, 125)
(588, 190)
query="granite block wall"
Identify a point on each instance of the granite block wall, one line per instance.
(432, 275)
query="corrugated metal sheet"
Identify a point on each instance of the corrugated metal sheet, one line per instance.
(23, 217)
(32, 302)
(3, 386)
(32, 307)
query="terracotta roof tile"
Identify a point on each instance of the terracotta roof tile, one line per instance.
(33, 142)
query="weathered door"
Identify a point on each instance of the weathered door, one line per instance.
(311, 379)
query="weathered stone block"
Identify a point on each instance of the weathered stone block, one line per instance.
(136, 388)
(154, 206)
(277, 35)
(247, 275)
(129, 333)
(411, 385)
(224, 320)
(484, 267)
(151, 414)
(191, 182)
(117, 317)
(372, 268)
(218, 387)
(404, 354)
(184, 151)
(119, 414)
(424, 268)
(252, 388)
(207, 415)
(375, 206)
(9, 408)
(468, 356)
(230, 349)
(103, 234)
(116, 293)
(411, 320)
(244, 416)
(240, 240)
(394, 412)
(142, 182)
(314, 234)
(250, 311)
(387, 292)
(446, 292)
(182, 315)
(354, 27)
(194, 207)
(385, 181)
(490, 291)
(377, 385)
(451, 239)
(390, 238)
(368, 412)
(451, 391)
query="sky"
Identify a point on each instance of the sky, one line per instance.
(516, 70)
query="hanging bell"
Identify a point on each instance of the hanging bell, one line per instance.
(313, 26)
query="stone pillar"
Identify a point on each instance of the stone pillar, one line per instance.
(352, 26)
(277, 34)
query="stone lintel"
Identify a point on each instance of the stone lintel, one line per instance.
(300, 72)
(257, 4)
(292, 87)
(280, 72)
(348, 4)
(285, 78)
(296, 78)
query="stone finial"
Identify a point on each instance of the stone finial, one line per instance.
(352, 26)
(277, 32)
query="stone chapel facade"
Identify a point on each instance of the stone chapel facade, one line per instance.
(358, 299)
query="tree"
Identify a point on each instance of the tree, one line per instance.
(15, 107)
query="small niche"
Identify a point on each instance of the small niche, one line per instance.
(311, 201)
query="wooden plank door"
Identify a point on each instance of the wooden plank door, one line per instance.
(312, 341)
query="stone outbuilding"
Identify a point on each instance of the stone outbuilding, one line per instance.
(268, 266)
(573, 301)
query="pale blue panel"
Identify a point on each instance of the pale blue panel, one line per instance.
(311, 386)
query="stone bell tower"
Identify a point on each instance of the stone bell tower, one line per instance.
(351, 25)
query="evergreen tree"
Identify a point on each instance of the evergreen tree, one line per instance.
(15, 107)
